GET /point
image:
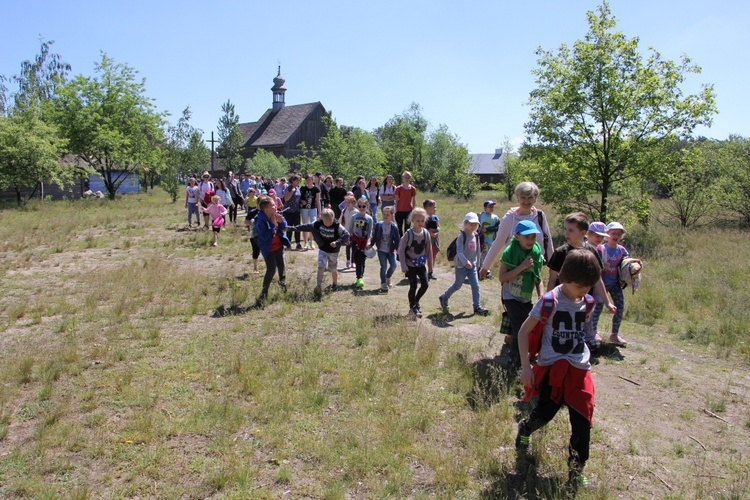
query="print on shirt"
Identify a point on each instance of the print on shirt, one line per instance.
(567, 332)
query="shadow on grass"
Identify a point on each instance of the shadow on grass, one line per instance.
(606, 351)
(524, 482)
(443, 320)
(493, 378)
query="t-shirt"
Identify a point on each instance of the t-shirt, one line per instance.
(309, 194)
(563, 336)
(292, 205)
(361, 225)
(387, 191)
(205, 187)
(489, 224)
(192, 194)
(384, 245)
(405, 198)
(466, 250)
(611, 257)
(558, 257)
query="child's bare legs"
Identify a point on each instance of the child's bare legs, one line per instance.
(334, 278)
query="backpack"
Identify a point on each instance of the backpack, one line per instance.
(548, 305)
(451, 251)
(630, 273)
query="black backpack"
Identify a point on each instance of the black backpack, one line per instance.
(450, 253)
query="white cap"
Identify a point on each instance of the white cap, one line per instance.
(471, 217)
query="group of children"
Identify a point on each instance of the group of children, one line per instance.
(559, 331)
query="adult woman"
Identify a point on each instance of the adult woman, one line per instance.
(310, 204)
(292, 207)
(337, 195)
(205, 186)
(360, 188)
(223, 193)
(387, 193)
(373, 196)
(406, 199)
(192, 196)
(325, 191)
(526, 195)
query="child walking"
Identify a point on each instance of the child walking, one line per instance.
(329, 235)
(612, 254)
(347, 214)
(272, 239)
(489, 223)
(520, 275)
(217, 213)
(416, 259)
(360, 239)
(466, 264)
(250, 223)
(385, 239)
(596, 235)
(562, 374)
(432, 224)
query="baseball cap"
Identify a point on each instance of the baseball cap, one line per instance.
(598, 228)
(615, 225)
(526, 227)
(488, 203)
(471, 217)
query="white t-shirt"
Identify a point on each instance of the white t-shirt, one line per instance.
(563, 336)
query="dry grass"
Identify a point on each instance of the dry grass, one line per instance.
(133, 363)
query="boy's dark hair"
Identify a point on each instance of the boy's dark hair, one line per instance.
(264, 201)
(580, 219)
(580, 267)
(428, 203)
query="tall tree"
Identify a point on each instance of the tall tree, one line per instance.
(402, 140)
(513, 169)
(362, 155)
(267, 164)
(736, 176)
(40, 79)
(111, 124)
(447, 163)
(230, 138)
(600, 110)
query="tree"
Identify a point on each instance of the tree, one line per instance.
(30, 152)
(40, 79)
(362, 155)
(230, 138)
(735, 181)
(447, 164)
(402, 140)
(513, 170)
(185, 153)
(692, 183)
(600, 111)
(267, 164)
(333, 151)
(111, 125)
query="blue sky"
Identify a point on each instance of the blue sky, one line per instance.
(468, 64)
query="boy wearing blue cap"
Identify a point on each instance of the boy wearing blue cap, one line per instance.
(520, 275)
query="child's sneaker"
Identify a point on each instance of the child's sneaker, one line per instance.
(283, 287)
(299, 247)
(443, 303)
(481, 311)
(318, 292)
(348, 264)
(388, 282)
(431, 276)
(418, 311)
(523, 438)
(617, 340)
(413, 314)
(384, 287)
(360, 284)
(576, 481)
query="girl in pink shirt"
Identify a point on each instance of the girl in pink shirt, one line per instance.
(217, 213)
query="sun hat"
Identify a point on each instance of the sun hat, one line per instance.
(526, 227)
(488, 203)
(615, 225)
(472, 218)
(598, 228)
(205, 174)
(370, 252)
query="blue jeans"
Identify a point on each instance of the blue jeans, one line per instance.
(193, 209)
(386, 258)
(374, 210)
(461, 274)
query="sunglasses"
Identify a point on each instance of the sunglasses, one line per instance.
(361, 206)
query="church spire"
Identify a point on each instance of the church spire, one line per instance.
(278, 90)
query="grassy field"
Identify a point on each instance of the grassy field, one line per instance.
(134, 364)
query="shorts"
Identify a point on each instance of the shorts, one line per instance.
(216, 229)
(330, 261)
(309, 215)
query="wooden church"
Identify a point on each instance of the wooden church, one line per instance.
(282, 129)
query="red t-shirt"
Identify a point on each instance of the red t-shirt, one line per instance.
(275, 242)
(405, 198)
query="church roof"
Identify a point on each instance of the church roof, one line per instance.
(274, 129)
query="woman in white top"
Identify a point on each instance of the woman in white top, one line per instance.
(204, 186)
(373, 196)
(526, 195)
(387, 192)
(192, 196)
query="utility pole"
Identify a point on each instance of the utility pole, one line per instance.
(212, 141)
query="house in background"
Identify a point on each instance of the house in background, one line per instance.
(283, 128)
(488, 167)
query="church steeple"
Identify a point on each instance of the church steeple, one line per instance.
(278, 90)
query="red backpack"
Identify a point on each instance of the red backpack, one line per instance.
(548, 305)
